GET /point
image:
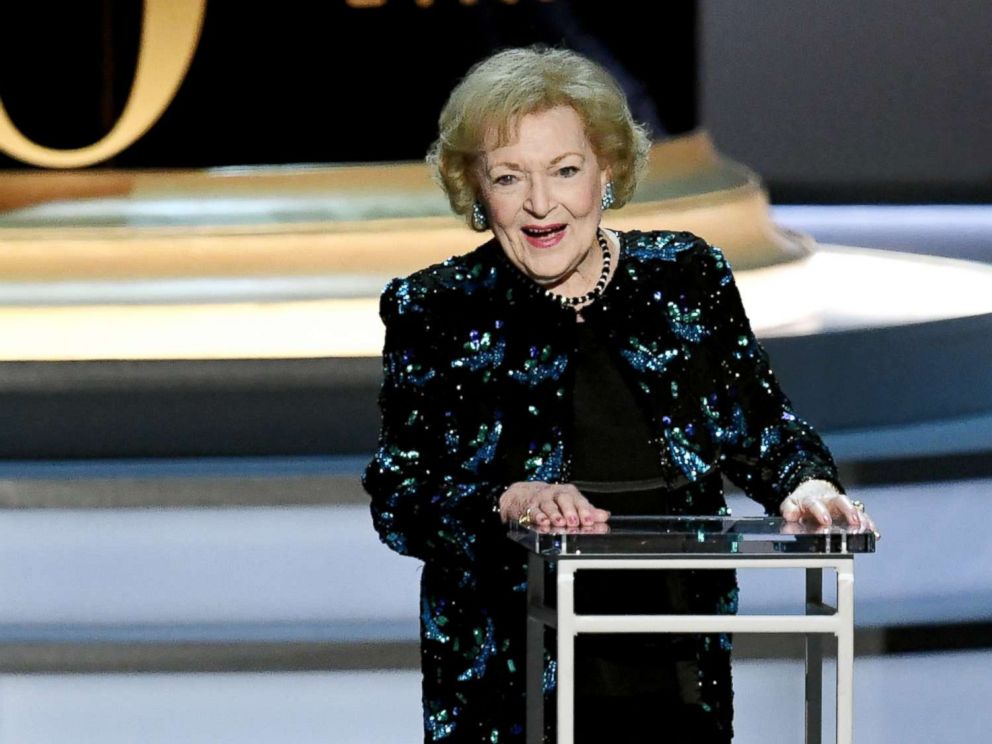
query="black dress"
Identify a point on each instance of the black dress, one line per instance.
(639, 687)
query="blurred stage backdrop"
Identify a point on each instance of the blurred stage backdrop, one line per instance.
(199, 205)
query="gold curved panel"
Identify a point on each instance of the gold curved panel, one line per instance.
(390, 217)
(170, 33)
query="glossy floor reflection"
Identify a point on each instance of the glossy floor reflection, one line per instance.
(896, 701)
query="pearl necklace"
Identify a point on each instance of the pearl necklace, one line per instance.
(600, 285)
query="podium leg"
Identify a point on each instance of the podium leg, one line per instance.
(565, 688)
(535, 651)
(845, 654)
(814, 660)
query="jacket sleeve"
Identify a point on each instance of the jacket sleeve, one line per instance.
(423, 503)
(767, 449)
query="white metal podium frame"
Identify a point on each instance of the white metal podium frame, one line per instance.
(819, 619)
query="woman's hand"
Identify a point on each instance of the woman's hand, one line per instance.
(819, 500)
(557, 504)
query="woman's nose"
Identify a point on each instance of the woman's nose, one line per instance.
(539, 199)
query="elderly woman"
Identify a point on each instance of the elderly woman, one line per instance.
(557, 374)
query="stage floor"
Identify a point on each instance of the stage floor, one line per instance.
(898, 700)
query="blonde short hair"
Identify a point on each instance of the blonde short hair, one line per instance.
(498, 91)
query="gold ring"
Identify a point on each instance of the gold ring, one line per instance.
(525, 519)
(858, 505)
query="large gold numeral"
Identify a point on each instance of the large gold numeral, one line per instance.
(170, 33)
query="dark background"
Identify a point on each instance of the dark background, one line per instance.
(317, 81)
(842, 101)
(852, 100)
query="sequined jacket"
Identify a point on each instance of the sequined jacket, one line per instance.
(476, 395)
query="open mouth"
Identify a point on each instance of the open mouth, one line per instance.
(543, 232)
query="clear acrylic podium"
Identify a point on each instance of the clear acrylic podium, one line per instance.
(632, 542)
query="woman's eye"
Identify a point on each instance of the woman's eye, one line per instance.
(504, 180)
(568, 170)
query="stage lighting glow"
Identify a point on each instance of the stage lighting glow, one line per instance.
(837, 288)
(846, 287)
(239, 330)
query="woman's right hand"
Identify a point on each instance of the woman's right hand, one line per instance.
(556, 504)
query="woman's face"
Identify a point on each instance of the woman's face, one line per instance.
(548, 178)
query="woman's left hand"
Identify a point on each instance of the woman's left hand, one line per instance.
(820, 501)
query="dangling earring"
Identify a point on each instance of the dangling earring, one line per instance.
(479, 221)
(608, 196)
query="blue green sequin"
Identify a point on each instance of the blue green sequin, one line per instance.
(648, 357)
